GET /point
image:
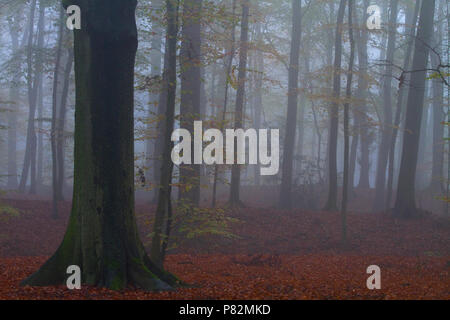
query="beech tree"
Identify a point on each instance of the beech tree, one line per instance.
(291, 120)
(405, 204)
(331, 203)
(239, 112)
(404, 78)
(163, 215)
(102, 237)
(348, 96)
(33, 80)
(190, 60)
(383, 152)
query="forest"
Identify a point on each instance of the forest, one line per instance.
(224, 149)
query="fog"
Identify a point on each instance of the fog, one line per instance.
(343, 106)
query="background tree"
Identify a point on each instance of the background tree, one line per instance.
(191, 80)
(163, 214)
(291, 120)
(383, 152)
(405, 205)
(331, 203)
(240, 95)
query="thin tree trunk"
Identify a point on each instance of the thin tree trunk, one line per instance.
(346, 124)
(363, 86)
(12, 116)
(259, 61)
(239, 112)
(164, 208)
(383, 152)
(156, 73)
(329, 91)
(225, 100)
(54, 128)
(438, 116)
(331, 203)
(285, 199)
(32, 96)
(159, 144)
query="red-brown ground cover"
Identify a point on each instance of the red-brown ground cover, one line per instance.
(278, 255)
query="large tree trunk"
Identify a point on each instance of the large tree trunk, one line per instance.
(285, 200)
(405, 205)
(102, 237)
(331, 203)
(383, 152)
(412, 22)
(190, 62)
(239, 112)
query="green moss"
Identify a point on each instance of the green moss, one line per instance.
(117, 283)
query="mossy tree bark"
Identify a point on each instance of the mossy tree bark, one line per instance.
(102, 237)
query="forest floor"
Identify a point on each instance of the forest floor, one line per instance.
(275, 255)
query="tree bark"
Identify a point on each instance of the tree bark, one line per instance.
(383, 152)
(54, 124)
(190, 62)
(285, 199)
(164, 207)
(438, 117)
(32, 97)
(365, 136)
(346, 124)
(239, 112)
(154, 107)
(258, 104)
(331, 203)
(400, 101)
(160, 142)
(12, 116)
(61, 139)
(225, 83)
(102, 237)
(405, 205)
(40, 138)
